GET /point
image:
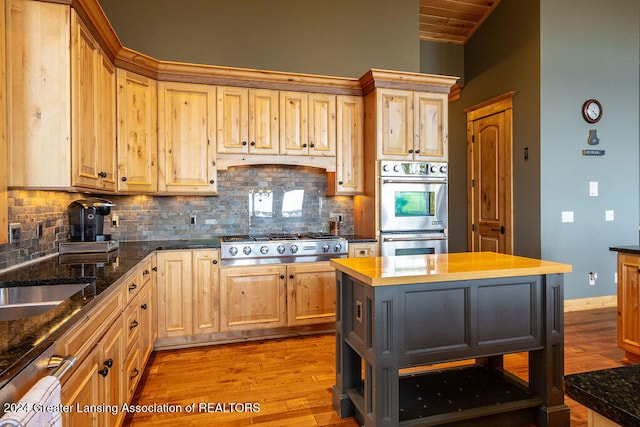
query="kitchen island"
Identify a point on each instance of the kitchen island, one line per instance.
(412, 311)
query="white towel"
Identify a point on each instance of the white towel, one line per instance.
(45, 393)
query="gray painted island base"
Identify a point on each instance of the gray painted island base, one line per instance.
(382, 329)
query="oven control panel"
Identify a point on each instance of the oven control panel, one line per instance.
(415, 169)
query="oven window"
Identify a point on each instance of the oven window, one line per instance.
(415, 251)
(414, 203)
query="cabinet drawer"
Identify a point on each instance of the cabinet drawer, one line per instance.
(132, 323)
(363, 250)
(87, 331)
(132, 374)
(132, 284)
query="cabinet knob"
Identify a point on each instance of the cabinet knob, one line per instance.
(104, 371)
(340, 182)
(144, 273)
(304, 145)
(312, 145)
(244, 142)
(411, 151)
(108, 363)
(154, 268)
(211, 181)
(282, 276)
(253, 143)
(362, 252)
(102, 174)
(124, 179)
(417, 151)
(143, 306)
(215, 261)
(291, 276)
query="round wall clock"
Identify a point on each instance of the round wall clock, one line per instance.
(592, 110)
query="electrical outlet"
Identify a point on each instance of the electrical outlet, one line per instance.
(192, 220)
(14, 232)
(115, 221)
(39, 230)
(592, 278)
(337, 215)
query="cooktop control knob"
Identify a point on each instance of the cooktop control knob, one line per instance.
(396, 168)
(325, 248)
(246, 250)
(293, 249)
(443, 169)
(264, 250)
(233, 251)
(337, 247)
(385, 167)
(280, 249)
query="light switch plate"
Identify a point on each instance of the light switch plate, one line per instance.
(609, 215)
(567, 216)
(593, 188)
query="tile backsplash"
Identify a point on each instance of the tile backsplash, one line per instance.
(252, 199)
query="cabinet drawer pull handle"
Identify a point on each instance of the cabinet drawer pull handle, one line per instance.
(132, 286)
(104, 371)
(135, 373)
(143, 306)
(108, 363)
(134, 324)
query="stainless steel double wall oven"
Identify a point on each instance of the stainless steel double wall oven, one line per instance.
(413, 208)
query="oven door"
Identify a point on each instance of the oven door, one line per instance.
(414, 244)
(408, 204)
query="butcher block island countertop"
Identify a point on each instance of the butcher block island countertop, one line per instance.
(384, 271)
(415, 311)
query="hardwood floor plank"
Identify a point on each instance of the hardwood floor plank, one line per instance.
(291, 379)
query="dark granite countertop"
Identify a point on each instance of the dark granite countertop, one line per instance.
(631, 249)
(22, 341)
(613, 393)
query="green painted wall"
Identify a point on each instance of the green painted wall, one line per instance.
(329, 37)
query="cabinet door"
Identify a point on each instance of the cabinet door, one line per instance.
(252, 298)
(264, 123)
(430, 122)
(294, 123)
(186, 132)
(106, 123)
(39, 95)
(137, 135)
(148, 321)
(84, 387)
(206, 292)
(363, 250)
(629, 305)
(311, 293)
(232, 108)
(395, 124)
(84, 105)
(322, 124)
(113, 360)
(350, 158)
(175, 299)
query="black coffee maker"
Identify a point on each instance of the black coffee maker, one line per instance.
(86, 220)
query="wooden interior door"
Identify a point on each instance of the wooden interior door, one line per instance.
(489, 141)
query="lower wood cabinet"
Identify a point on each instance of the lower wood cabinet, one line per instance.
(188, 293)
(311, 293)
(363, 250)
(112, 344)
(629, 306)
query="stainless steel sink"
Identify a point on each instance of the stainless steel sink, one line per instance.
(19, 302)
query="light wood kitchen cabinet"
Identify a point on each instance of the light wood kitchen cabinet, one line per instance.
(294, 123)
(349, 176)
(363, 250)
(206, 288)
(188, 293)
(4, 203)
(253, 297)
(39, 107)
(175, 297)
(247, 121)
(113, 351)
(93, 102)
(629, 306)
(411, 125)
(311, 293)
(322, 124)
(186, 138)
(137, 133)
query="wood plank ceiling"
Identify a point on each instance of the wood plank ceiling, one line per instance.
(453, 21)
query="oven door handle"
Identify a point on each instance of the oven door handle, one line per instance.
(414, 181)
(412, 239)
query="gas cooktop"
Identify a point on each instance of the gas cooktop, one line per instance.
(275, 248)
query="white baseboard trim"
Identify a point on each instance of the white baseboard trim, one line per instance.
(590, 303)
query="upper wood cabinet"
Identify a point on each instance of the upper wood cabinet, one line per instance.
(186, 138)
(137, 133)
(349, 176)
(247, 121)
(294, 123)
(93, 93)
(411, 125)
(322, 124)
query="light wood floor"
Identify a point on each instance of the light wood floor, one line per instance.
(291, 379)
